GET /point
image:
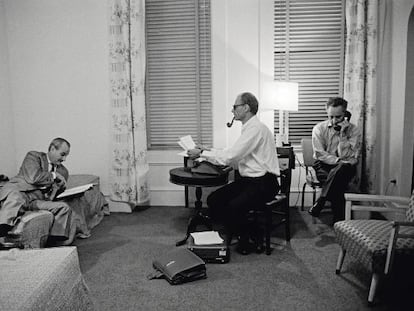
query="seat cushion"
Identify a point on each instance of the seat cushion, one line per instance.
(367, 241)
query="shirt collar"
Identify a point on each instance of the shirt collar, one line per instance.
(252, 120)
(48, 161)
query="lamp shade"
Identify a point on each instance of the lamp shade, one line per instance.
(281, 95)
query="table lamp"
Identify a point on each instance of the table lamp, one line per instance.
(282, 96)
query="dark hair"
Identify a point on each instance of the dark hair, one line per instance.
(57, 142)
(337, 101)
(249, 99)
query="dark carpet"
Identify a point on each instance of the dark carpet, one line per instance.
(299, 275)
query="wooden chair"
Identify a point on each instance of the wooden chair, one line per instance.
(374, 243)
(276, 211)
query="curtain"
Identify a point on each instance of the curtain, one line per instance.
(360, 81)
(128, 162)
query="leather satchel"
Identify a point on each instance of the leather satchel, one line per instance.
(178, 266)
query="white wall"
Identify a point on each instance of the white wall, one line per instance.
(7, 141)
(59, 79)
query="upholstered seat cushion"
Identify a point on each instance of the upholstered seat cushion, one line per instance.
(367, 241)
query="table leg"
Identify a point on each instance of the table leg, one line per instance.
(198, 203)
(197, 219)
(194, 221)
(186, 196)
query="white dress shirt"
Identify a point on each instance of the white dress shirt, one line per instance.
(254, 152)
(52, 168)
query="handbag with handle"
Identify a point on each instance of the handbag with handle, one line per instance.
(178, 266)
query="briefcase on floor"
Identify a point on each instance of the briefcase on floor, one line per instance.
(179, 266)
(213, 253)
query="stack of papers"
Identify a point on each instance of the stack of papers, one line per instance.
(74, 190)
(206, 238)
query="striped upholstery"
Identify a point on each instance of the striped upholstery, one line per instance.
(367, 240)
(410, 211)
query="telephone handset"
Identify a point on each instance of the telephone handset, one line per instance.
(347, 117)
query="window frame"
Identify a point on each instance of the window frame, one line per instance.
(288, 56)
(178, 88)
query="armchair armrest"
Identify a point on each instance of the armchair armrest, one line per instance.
(376, 198)
(403, 223)
(390, 203)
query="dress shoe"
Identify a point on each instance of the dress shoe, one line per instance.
(316, 208)
(258, 241)
(259, 248)
(245, 247)
(6, 244)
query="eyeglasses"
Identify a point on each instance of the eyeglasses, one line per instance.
(235, 106)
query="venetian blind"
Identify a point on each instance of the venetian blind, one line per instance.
(309, 49)
(178, 79)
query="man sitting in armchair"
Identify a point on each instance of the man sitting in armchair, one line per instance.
(40, 178)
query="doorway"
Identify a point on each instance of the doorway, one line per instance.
(409, 102)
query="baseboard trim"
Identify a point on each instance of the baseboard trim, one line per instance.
(166, 196)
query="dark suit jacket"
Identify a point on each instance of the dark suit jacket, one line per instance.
(34, 172)
(33, 175)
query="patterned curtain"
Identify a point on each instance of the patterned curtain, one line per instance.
(360, 80)
(129, 167)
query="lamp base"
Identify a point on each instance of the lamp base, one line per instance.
(281, 139)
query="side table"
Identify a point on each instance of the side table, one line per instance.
(184, 177)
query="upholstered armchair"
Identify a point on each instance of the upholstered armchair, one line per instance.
(375, 243)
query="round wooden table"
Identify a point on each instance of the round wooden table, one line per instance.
(184, 177)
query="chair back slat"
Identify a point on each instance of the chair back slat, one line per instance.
(409, 215)
(307, 151)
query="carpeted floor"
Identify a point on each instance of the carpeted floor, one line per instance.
(299, 275)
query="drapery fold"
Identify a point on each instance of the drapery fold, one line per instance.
(128, 162)
(362, 18)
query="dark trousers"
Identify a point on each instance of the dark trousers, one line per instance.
(335, 180)
(230, 204)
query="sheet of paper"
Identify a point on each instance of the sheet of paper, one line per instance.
(206, 238)
(187, 142)
(181, 145)
(183, 153)
(74, 190)
(208, 153)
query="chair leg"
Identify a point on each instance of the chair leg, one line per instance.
(268, 226)
(303, 197)
(287, 220)
(373, 287)
(390, 250)
(340, 261)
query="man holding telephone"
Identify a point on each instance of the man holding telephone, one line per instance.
(336, 147)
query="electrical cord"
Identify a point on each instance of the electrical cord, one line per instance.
(299, 176)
